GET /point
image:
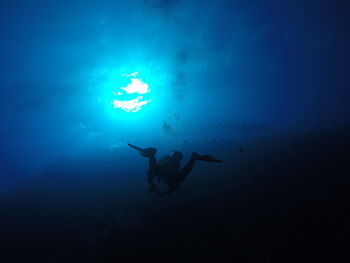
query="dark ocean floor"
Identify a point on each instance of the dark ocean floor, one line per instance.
(284, 199)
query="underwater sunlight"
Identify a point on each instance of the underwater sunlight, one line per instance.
(123, 100)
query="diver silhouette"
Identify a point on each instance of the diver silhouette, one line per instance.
(168, 168)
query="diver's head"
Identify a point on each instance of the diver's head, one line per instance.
(177, 156)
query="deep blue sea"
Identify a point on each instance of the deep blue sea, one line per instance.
(261, 85)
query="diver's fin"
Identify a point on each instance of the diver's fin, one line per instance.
(148, 152)
(135, 147)
(207, 158)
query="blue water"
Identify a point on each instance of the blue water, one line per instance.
(229, 78)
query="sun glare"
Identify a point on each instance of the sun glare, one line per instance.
(136, 86)
(130, 105)
(124, 101)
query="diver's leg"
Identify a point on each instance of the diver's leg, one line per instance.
(153, 164)
(150, 153)
(153, 168)
(151, 173)
(187, 168)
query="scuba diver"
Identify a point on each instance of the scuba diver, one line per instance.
(168, 169)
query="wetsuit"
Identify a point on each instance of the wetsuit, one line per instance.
(168, 170)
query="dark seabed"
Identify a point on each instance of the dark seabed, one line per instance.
(262, 85)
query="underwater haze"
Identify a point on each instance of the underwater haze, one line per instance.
(261, 85)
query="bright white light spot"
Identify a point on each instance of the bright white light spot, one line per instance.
(130, 105)
(125, 101)
(136, 86)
